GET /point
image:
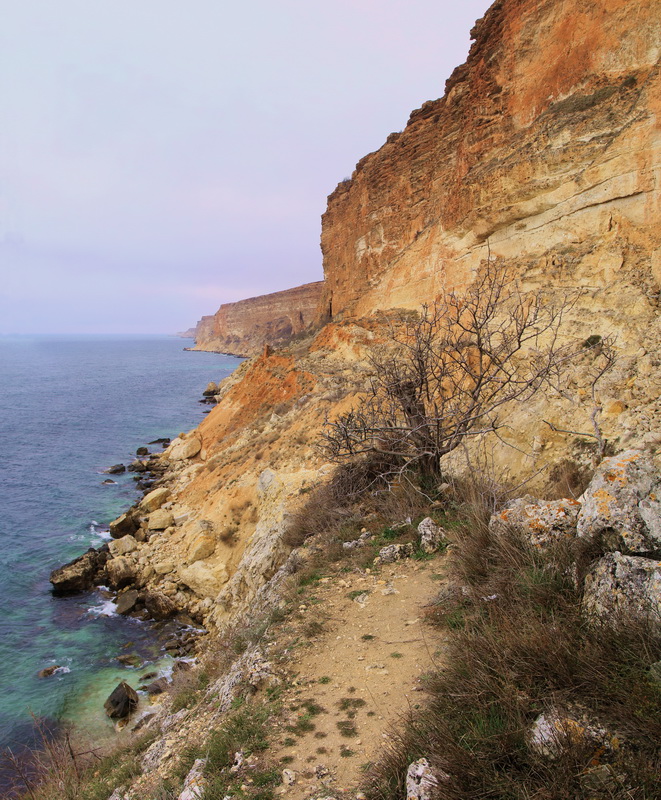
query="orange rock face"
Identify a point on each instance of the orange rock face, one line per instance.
(545, 151)
(244, 328)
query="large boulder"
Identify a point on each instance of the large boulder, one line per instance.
(120, 547)
(202, 546)
(205, 578)
(121, 572)
(154, 500)
(159, 520)
(542, 522)
(127, 601)
(158, 605)
(181, 449)
(622, 505)
(121, 702)
(621, 587)
(78, 575)
(125, 525)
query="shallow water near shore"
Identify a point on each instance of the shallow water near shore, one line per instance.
(70, 406)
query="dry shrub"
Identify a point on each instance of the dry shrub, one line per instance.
(567, 478)
(517, 644)
(332, 505)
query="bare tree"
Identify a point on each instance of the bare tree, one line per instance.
(601, 356)
(447, 372)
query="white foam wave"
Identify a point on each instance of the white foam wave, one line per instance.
(107, 608)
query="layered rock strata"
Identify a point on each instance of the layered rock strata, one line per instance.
(545, 151)
(243, 328)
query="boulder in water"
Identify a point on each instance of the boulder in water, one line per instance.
(125, 525)
(48, 671)
(78, 575)
(121, 702)
(126, 602)
(116, 469)
(142, 451)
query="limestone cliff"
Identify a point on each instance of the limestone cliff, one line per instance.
(545, 150)
(243, 328)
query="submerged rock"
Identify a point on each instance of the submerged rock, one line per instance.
(121, 702)
(48, 671)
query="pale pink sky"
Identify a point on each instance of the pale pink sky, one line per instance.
(158, 158)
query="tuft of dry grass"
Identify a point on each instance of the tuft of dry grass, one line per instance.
(518, 645)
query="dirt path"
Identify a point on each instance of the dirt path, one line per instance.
(358, 676)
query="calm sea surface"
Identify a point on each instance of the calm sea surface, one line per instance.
(69, 408)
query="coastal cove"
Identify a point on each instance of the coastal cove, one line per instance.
(71, 406)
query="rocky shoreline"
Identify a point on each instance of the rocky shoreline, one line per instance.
(112, 572)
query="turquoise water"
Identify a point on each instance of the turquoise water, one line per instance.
(69, 408)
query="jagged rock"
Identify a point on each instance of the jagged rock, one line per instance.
(125, 525)
(126, 601)
(121, 702)
(120, 547)
(542, 522)
(78, 575)
(158, 605)
(142, 451)
(137, 466)
(212, 388)
(556, 731)
(431, 535)
(116, 469)
(394, 552)
(421, 782)
(622, 505)
(121, 572)
(195, 783)
(620, 587)
(155, 499)
(159, 520)
(181, 449)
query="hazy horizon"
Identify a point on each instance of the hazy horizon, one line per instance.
(158, 160)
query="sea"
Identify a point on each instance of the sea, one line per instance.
(70, 407)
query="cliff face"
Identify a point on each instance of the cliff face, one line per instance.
(545, 150)
(244, 328)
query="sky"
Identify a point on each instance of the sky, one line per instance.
(161, 157)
